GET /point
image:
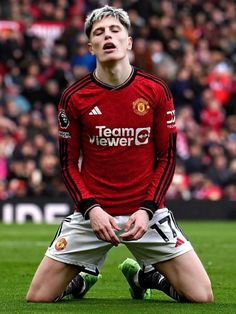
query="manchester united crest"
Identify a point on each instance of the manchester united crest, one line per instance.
(60, 244)
(141, 106)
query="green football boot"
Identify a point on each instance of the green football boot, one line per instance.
(129, 269)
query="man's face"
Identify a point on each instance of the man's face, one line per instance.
(109, 40)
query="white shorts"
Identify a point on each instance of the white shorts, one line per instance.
(75, 242)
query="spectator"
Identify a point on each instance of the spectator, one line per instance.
(218, 171)
(195, 162)
(81, 56)
(141, 55)
(203, 188)
(212, 114)
(179, 189)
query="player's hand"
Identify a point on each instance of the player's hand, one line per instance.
(103, 225)
(136, 226)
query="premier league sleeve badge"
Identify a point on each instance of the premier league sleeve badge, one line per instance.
(63, 119)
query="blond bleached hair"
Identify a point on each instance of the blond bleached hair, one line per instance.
(99, 14)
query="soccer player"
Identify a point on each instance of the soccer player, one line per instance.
(120, 121)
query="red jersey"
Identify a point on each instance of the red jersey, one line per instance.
(125, 136)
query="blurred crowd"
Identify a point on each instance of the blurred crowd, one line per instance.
(190, 44)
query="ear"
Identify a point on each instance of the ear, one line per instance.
(90, 49)
(130, 43)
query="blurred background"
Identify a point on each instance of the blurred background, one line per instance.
(190, 44)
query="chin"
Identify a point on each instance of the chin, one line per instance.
(111, 59)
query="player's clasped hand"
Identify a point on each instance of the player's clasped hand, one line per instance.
(136, 226)
(103, 225)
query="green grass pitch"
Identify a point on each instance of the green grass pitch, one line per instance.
(23, 246)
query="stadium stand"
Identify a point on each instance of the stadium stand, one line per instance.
(190, 44)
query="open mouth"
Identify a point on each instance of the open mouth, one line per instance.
(109, 46)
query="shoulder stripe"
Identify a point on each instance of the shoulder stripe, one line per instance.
(168, 172)
(167, 183)
(79, 82)
(71, 186)
(62, 161)
(158, 81)
(72, 89)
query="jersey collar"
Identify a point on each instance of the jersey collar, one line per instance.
(111, 87)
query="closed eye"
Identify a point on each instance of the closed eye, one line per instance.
(98, 32)
(115, 28)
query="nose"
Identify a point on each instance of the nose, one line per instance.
(107, 34)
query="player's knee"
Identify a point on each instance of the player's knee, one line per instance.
(209, 298)
(205, 296)
(37, 297)
(202, 294)
(31, 297)
(207, 293)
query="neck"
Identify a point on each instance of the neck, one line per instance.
(114, 74)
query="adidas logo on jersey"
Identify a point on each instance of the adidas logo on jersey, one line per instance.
(95, 111)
